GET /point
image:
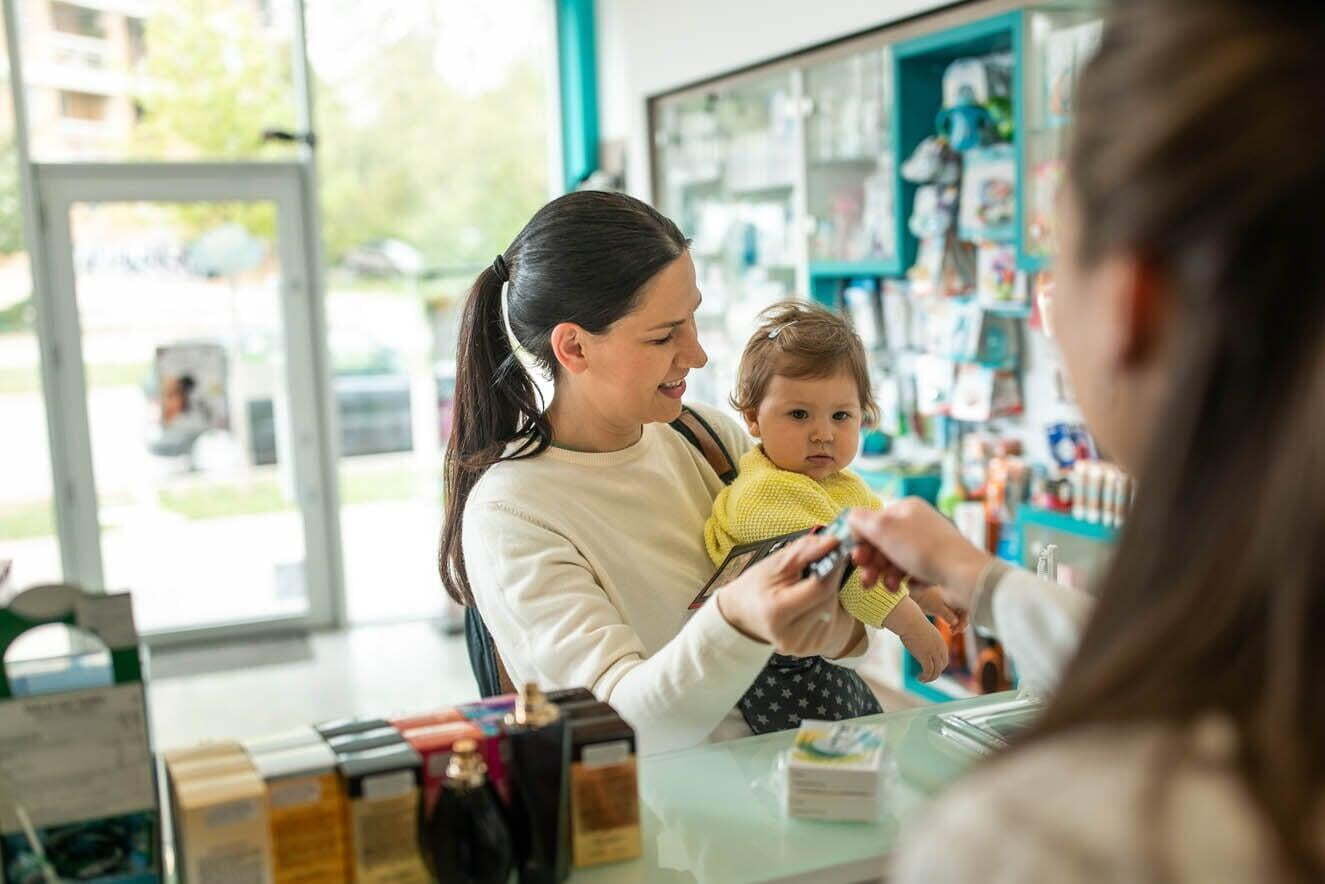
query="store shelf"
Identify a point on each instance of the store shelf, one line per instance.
(1065, 523)
(767, 191)
(868, 160)
(839, 269)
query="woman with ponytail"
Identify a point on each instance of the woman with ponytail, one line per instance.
(575, 526)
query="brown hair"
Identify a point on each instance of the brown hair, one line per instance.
(1198, 147)
(799, 340)
(582, 258)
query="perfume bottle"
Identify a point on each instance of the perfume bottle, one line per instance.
(539, 745)
(464, 837)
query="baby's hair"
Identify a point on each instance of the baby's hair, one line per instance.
(800, 341)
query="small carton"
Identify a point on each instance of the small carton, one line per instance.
(370, 739)
(834, 771)
(341, 726)
(383, 790)
(222, 831)
(291, 739)
(404, 723)
(604, 791)
(308, 814)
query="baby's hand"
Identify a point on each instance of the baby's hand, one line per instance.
(930, 599)
(920, 638)
(928, 647)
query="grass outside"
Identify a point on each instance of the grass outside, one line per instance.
(218, 501)
(27, 519)
(27, 379)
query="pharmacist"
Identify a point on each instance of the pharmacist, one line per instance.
(1184, 740)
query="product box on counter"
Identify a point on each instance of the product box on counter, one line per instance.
(79, 761)
(221, 822)
(308, 814)
(834, 772)
(382, 787)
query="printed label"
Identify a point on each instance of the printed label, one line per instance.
(388, 785)
(76, 756)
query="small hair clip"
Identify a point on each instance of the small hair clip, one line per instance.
(773, 335)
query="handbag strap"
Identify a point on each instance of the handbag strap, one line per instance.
(700, 433)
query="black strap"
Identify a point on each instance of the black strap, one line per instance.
(700, 433)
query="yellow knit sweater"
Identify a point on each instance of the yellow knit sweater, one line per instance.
(766, 501)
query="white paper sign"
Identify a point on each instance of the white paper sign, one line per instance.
(76, 756)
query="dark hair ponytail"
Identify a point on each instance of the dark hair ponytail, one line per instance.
(583, 258)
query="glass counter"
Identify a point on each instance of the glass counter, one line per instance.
(706, 817)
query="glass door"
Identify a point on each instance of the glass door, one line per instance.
(191, 370)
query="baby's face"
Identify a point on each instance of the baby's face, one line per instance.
(809, 426)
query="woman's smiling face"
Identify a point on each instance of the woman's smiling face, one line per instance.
(635, 370)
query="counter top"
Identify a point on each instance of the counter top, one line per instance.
(708, 816)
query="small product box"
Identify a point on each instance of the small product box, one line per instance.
(604, 790)
(341, 727)
(222, 830)
(434, 745)
(291, 739)
(383, 790)
(376, 738)
(404, 723)
(834, 772)
(308, 814)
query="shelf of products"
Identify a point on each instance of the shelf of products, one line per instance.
(914, 176)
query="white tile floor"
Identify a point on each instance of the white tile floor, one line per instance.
(259, 686)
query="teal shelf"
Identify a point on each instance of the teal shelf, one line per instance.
(1029, 515)
(918, 68)
(840, 269)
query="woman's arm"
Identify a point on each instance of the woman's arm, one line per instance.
(554, 624)
(1039, 621)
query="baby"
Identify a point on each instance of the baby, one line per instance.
(804, 391)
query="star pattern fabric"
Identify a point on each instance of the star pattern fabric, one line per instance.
(790, 689)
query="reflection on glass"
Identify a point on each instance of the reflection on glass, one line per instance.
(850, 192)
(183, 344)
(408, 222)
(1061, 41)
(726, 162)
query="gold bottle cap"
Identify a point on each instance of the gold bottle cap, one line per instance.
(532, 708)
(466, 767)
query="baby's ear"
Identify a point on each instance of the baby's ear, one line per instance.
(751, 422)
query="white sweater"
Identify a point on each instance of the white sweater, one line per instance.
(583, 566)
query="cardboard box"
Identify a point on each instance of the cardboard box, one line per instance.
(361, 740)
(404, 723)
(383, 790)
(307, 809)
(834, 771)
(604, 791)
(75, 748)
(222, 829)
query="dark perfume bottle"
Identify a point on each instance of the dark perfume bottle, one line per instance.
(539, 746)
(464, 837)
